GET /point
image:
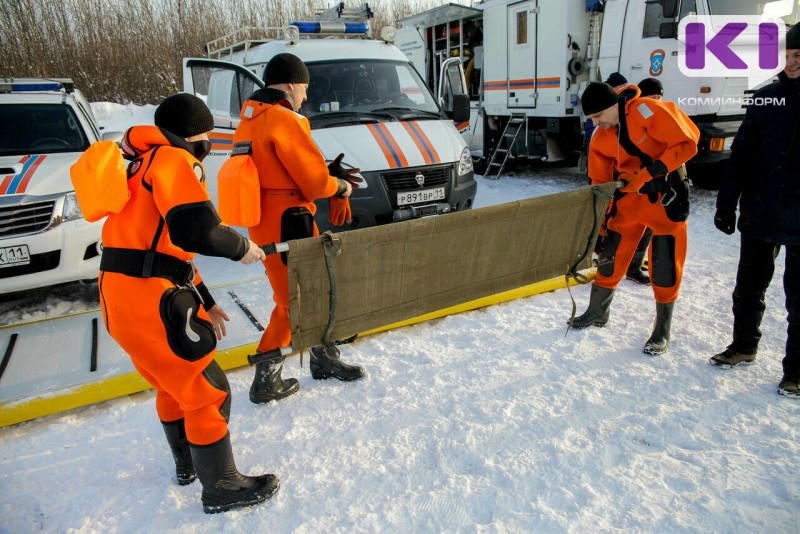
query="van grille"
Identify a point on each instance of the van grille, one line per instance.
(24, 219)
(405, 180)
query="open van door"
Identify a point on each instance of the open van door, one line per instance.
(224, 87)
(452, 93)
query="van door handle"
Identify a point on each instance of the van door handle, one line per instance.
(636, 66)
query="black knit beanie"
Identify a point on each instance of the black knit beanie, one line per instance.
(793, 38)
(285, 68)
(615, 79)
(184, 115)
(597, 97)
(650, 87)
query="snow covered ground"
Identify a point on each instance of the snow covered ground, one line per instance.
(491, 421)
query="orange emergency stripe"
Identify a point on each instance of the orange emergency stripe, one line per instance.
(424, 144)
(386, 141)
(15, 184)
(221, 141)
(529, 83)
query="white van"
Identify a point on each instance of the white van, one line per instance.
(364, 100)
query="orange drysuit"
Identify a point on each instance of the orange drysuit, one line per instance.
(665, 133)
(292, 174)
(145, 257)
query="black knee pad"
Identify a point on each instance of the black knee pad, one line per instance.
(663, 273)
(605, 261)
(644, 242)
(296, 223)
(216, 377)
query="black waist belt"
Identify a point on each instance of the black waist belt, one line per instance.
(146, 264)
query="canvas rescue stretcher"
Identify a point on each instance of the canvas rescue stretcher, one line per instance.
(358, 282)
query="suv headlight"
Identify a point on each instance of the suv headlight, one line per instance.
(72, 209)
(465, 163)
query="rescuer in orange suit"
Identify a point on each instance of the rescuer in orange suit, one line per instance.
(156, 306)
(652, 140)
(292, 174)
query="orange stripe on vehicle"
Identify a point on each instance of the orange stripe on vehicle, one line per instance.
(4, 185)
(548, 82)
(394, 156)
(28, 175)
(520, 84)
(424, 144)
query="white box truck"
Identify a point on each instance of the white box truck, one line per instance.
(364, 100)
(528, 61)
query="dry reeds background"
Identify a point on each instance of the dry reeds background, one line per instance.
(130, 51)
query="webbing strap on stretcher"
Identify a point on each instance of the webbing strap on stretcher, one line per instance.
(601, 197)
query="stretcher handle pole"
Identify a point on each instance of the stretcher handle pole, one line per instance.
(275, 248)
(259, 357)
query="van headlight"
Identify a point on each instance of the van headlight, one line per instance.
(465, 163)
(72, 209)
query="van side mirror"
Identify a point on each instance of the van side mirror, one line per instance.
(460, 111)
(670, 9)
(668, 30)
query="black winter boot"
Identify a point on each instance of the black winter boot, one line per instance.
(659, 340)
(635, 271)
(224, 487)
(325, 363)
(176, 437)
(597, 312)
(789, 386)
(268, 384)
(730, 357)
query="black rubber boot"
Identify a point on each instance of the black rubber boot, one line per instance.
(635, 271)
(176, 437)
(597, 312)
(268, 384)
(325, 363)
(659, 339)
(224, 487)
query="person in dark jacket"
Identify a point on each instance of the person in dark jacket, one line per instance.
(763, 178)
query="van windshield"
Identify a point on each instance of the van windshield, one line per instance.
(40, 129)
(366, 87)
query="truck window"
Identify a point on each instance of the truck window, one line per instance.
(738, 7)
(522, 27)
(653, 19)
(40, 129)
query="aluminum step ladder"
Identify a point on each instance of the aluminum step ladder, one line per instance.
(504, 147)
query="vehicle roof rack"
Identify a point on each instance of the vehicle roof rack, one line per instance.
(250, 36)
(241, 39)
(340, 13)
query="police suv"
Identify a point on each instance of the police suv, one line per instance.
(44, 239)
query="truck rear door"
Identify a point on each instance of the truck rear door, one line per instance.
(521, 19)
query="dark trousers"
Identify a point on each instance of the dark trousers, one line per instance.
(756, 267)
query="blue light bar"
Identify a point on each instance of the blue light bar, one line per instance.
(332, 27)
(53, 86)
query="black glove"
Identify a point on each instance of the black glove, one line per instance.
(336, 170)
(725, 221)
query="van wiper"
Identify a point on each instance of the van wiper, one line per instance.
(411, 111)
(339, 118)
